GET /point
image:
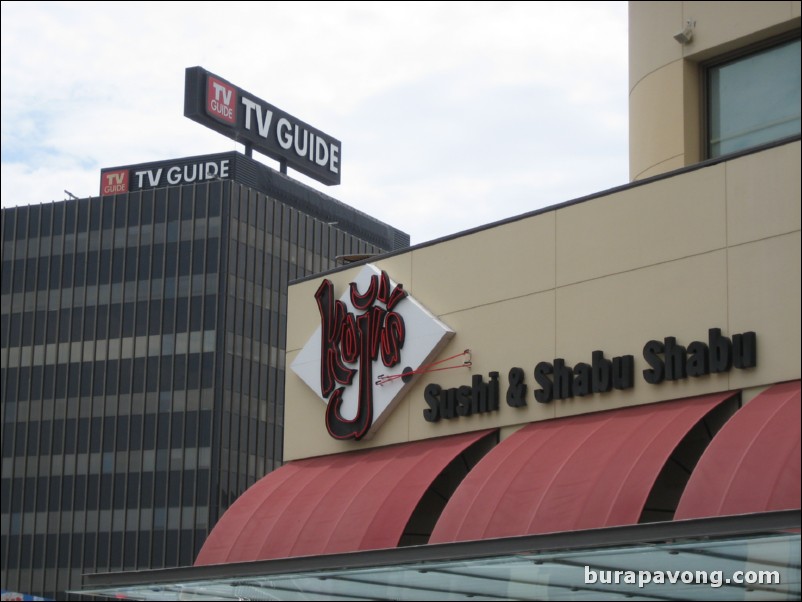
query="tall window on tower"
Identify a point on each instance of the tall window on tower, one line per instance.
(753, 99)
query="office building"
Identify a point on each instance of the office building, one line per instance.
(143, 359)
(610, 384)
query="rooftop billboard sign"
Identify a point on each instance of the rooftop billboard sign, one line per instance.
(157, 174)
(229, 110)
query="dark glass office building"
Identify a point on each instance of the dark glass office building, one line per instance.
(142, 360)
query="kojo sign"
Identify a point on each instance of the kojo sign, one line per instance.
(373, 327)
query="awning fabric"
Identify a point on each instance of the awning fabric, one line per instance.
(340, 503)
(582, 472)
(753, 463)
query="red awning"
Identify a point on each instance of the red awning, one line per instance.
(582, 472)
(753, 463)
(341, 503)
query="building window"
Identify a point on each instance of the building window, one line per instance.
(754, 99)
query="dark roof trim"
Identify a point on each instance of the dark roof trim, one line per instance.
(590, 197)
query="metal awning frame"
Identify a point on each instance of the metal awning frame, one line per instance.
(663, 532)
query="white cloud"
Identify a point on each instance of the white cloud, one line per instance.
(492, 108)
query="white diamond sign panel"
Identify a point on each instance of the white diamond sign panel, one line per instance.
(368, 338)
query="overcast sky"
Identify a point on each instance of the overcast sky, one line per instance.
(451, 115)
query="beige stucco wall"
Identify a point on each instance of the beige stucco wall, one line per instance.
(665, 100)
(714, 247)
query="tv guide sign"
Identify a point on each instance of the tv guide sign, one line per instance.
(236, 113)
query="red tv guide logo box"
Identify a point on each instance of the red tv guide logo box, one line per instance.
(221, 100)
(113, 182)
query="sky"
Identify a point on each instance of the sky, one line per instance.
(451, 115)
